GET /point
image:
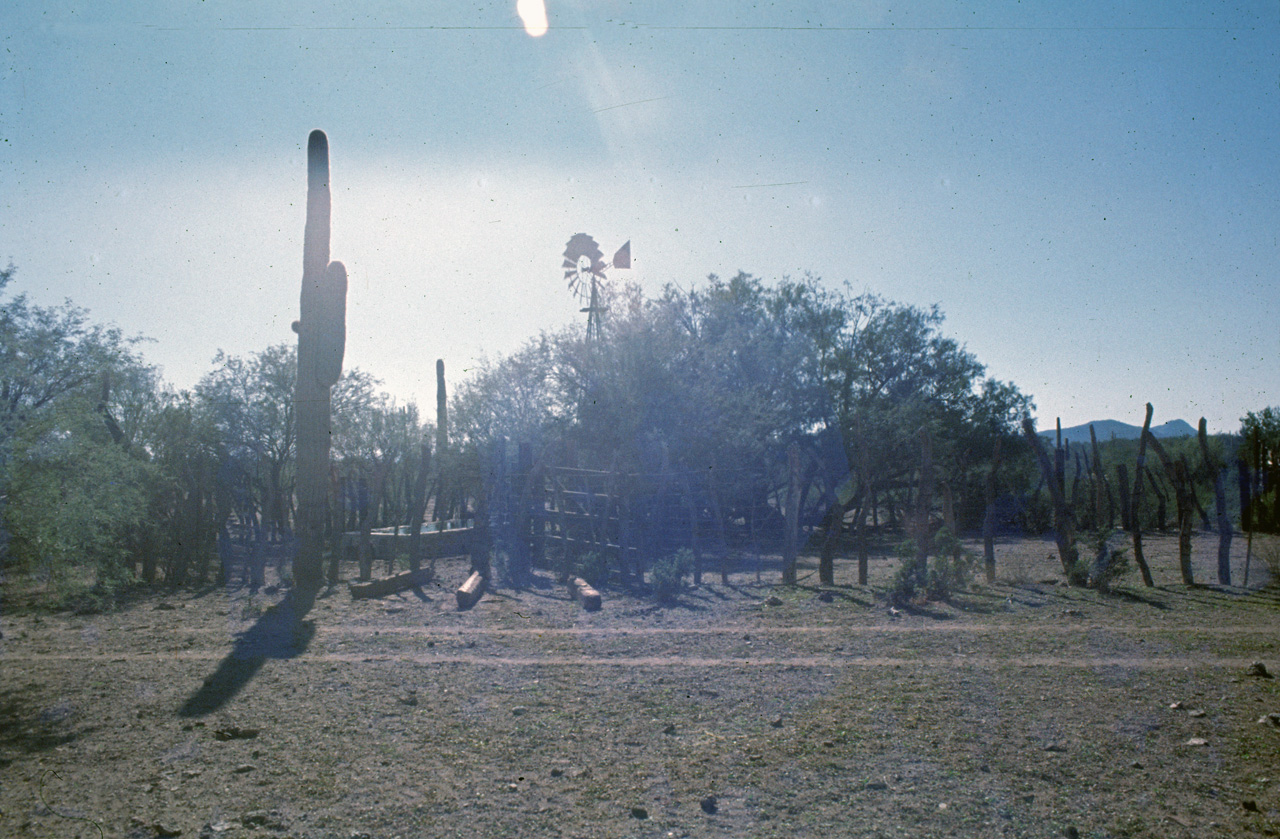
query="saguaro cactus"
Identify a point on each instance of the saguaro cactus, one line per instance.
(442, 409)
(321, 342)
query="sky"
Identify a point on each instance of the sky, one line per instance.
(1089, 191)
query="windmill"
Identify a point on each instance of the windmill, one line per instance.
(584, 268)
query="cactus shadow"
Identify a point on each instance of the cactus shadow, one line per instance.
(281, 632)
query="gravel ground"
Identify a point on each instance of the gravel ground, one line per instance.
(1024, 708)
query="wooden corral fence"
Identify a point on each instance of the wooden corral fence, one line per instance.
(439, 540)
(556, 517)
(587, 511)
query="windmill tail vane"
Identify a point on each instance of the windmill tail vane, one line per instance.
(622, 259)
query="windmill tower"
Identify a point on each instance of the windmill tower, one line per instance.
(584, 268)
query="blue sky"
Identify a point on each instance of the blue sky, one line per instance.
(1090, 191)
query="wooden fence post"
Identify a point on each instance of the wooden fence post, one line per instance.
(557, 488)
(418, 510)
(1135, 518)
(1179, 476)
(692, 510)
(1219, 471)
(520, 564)
(1065, 522)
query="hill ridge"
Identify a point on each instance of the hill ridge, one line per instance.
(1116, 430)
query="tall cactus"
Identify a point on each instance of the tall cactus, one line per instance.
(321, 342)
(442, 409)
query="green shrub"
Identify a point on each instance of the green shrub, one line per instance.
(1101, 575)
(73, 498)
(952, 570)
(909, 580)
(949, 572)
(667, 576)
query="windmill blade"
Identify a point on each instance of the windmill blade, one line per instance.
(580, 245)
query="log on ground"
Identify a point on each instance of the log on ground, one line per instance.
(579, 589)
(469, 593)
(390, 585)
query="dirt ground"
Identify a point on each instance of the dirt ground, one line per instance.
(1024, 708)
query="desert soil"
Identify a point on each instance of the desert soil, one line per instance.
(1023, 708)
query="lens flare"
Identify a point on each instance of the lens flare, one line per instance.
(533, 13)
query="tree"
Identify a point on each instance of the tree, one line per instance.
(69, 489)
(251, 402)
(190, 496)
(1260, 450)
(49, 353)
(73, 496)
(723, 377)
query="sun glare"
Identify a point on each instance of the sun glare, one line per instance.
(533, 13)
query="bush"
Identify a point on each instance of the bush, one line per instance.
(1094, 570)
(909, 579)
(949, 572)
(593, 568)
(73, 497)
(667, 577)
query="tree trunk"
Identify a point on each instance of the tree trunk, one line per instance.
(949, 519)
(826, 559)
(861, 523)
(989, 518)
(924, 501)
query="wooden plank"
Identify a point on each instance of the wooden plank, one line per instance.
(608, 546)
(470, 592)
(434, 545)
(390, 585)
(568, 470)
(581, 591)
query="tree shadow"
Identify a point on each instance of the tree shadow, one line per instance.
(1134, 596)
(838, 592)
(923, 611)
(28, 724)
(281, 632)
(982, 603)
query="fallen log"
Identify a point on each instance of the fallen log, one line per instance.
(390, 585)
(469, 593)
(579, 589)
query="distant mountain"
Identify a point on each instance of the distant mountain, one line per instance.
(1114, 429)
